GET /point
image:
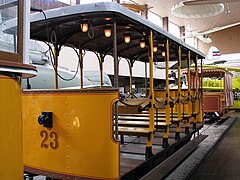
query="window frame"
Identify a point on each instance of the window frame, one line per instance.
(16, 56)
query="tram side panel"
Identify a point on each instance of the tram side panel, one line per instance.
(80, 142)
(11, 163)
(214, 102)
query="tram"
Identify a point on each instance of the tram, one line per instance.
(91, 133)
(13, 68)
(217, 92)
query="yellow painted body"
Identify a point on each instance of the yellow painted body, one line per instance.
(80, 143)
(151, 110)
(11, 163)
(200, 115)
(179, 107)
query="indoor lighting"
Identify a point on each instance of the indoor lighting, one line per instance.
(182, 10)
(142, 43)
(107, 31)
(155, 48)
(84, 27)
(127, 37)
(163, 54)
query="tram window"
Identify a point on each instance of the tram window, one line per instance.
(8, 11)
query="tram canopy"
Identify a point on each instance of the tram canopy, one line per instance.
(63, 26)
(215, 72)
(212, 72)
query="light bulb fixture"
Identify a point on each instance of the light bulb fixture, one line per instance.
(155, 48)
(163, 54)
(84, 26)
(107, 31)
(142, 43)
(127, 37)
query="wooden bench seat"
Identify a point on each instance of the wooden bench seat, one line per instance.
(195, 113)
(134, 131)
(139, 118)
(163, 113)
(140, 124)
(147, 115)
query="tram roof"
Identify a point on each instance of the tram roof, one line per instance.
(212, 71)
(65, 22)
(215, 72)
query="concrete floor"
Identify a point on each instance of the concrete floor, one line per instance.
(224, 160)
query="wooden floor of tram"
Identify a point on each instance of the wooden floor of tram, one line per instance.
(133, 149)
(224, 161)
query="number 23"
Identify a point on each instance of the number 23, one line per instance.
(54, 139)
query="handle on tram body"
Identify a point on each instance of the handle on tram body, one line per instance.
(45, 119)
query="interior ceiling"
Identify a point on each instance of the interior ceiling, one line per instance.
(163, 8)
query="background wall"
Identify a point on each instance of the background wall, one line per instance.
(227, 41)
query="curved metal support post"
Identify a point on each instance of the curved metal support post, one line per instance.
(100, 57)
(179, 105)
(55, 56)
(115, 56)
(197, 78)
(130, 65)
(188, 93)
(145, 82)
(167, 92)
(198, 109)
(81, 67)
(151, 109)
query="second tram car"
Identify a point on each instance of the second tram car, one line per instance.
(217, 91)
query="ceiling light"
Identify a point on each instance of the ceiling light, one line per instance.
(197, 11)
(142, 43)
(163, 54)
(84, 27)
(127, 37)
(107, 31)
(155, 48)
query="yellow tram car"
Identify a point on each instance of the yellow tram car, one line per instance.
(76, 133)
(12, 70)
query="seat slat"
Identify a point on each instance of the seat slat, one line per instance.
(139, 123)
(134, 118)
(134, 131)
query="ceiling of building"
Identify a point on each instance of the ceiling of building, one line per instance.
(163, 8)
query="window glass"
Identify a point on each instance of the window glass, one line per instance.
(174, 29)
(190, 41)
(155, 19)
(8, 11)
